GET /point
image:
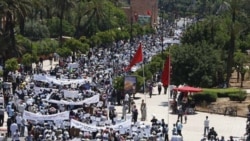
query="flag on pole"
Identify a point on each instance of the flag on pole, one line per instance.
(165, 76)
(138, 57)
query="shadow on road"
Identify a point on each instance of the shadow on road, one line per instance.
(164, 104)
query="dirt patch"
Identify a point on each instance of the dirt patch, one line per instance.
(225, 106)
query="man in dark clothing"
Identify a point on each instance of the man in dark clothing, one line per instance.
(1, 117)
(41, 61)
(180, 114)
(212, 134)
(164, 130)
(9, 122)
(159, 88)
(150, 90)
(135, 115)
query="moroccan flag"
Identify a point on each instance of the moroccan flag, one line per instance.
(149, 12)
(138, 57)
(165, 76)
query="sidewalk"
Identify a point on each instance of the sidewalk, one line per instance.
(192, 131)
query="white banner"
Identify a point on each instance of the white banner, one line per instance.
(70, 94)
(73, 93)
(91, 128)
(38, 117)
(83, 126)
(49, 79)
(122, 125)
(93, 99)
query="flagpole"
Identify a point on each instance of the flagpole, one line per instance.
(168, 89)
(144, 85)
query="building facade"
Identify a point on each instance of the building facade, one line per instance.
(142, 11)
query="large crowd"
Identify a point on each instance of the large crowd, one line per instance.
(75, 100)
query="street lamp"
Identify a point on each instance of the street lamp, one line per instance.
(162, 31)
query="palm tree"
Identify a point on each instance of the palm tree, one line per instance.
(96, 16)
(25, 7)
(12, 11)
(233, 6)
(62, 7)
(79, 15)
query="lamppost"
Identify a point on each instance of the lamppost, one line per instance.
(162, 29)
(131, 47)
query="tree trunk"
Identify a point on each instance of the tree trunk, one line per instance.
(10, 28)
(21, 25)
(77, 35)
(48, 14)
(242, 79)
(238, 76)
(61, 24)
(230, 55)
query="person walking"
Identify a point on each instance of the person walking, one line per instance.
(143, 111)
(164, 130)
(16, 136)
(206, 126)
(150, 90)
(124, 111)
(134, 114)
(174, 131)
(179, 127)
(180, 114)
(159, 88)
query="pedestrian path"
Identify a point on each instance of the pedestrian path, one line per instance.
(193, 130)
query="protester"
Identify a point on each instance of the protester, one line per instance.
(143, 111)
(77, 93)
(206, 126)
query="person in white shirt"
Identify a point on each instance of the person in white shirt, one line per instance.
(126, 99)
(206, 126)
(19, 121)
(15, 136)
(21, 107)
(13, 128)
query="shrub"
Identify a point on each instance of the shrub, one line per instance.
(208, 97)
(1, 73)
(11, 64)
(240, 96)
(222, 92)
(36, 30)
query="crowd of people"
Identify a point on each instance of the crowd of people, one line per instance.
(38, 101)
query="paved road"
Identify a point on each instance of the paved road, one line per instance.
(192, 131)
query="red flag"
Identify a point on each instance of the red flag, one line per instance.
(138, 57)
(149, 12)
(165, 76)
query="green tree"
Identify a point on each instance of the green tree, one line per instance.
(63, 6)
(36, 30)
(75, 46)
(55, 29)
(10, 10)
(11, 64)
(64, 52)
(27, 61)
(194, 65)
(106, 37)
(240, 59)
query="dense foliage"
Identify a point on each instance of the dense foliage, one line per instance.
(214, 45)
(34, 26)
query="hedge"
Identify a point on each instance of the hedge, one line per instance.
(208, 97)
(241, 96)
(222, 92)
